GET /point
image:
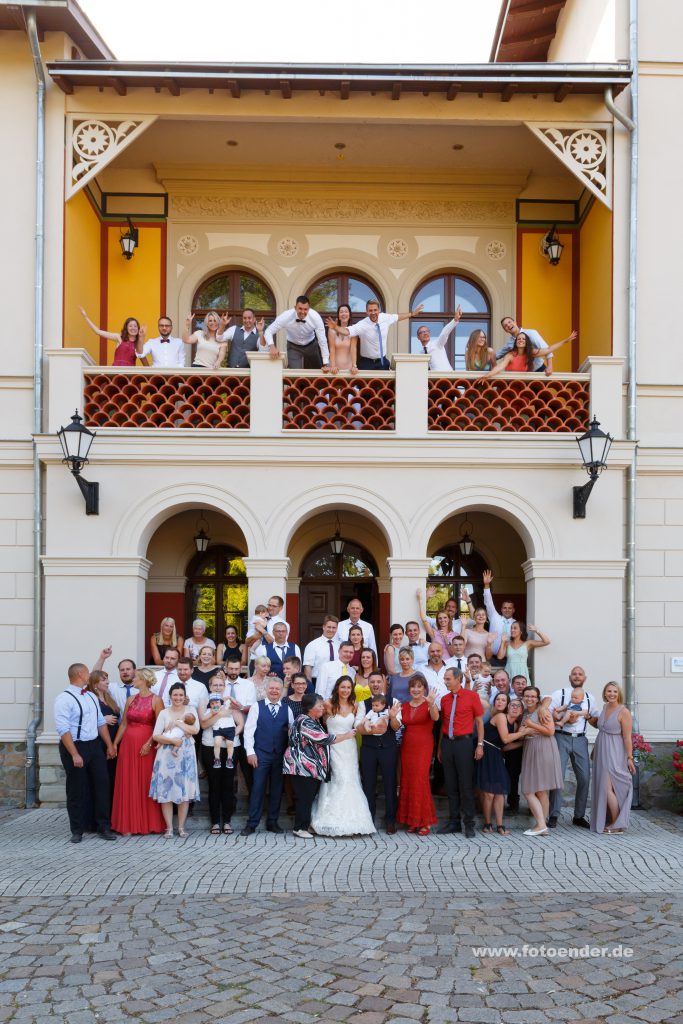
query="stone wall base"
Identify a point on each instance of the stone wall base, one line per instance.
(12, 774)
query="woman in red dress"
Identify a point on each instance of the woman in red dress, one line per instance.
(133, 810)
(415, 804)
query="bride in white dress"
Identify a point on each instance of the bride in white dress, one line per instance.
(340, 808)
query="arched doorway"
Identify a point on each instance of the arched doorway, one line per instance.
(231, 291)
(496, 545)
(217, 591)
(330, 580)
(441, 294)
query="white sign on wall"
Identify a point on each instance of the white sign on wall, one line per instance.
(677, 664)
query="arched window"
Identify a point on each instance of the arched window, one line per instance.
(333, 290)
(441, 295)
(449, 571)
(353, 563)
(232, 291)
(217, 592)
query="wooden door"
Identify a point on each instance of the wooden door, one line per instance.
(316, 600)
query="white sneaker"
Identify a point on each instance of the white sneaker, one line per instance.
(536, 832)
(302, 833)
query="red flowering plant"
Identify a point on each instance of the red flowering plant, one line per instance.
(670, 768)
(642, 750)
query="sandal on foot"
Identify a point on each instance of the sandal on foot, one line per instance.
(168, 834)
(424, 831)
(501, 830)
(215, 830)
(488, 828)
(227, 830)
(182, 834)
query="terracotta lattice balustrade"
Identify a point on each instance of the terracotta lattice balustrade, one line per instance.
(522, 404)
(176, 400)
(339, 403)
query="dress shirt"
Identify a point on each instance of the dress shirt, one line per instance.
(161, 674)
(434, 678)
(460, 663)
(194, 691)
(498, 624)
(588, 703)
(252, 719)
(330, 672)
(120, 694)
(420, 654)
(230, 334)
(467, 708)
(436, 349)
(269, 621)
(260, 651)
(318, 652)
(368, 633)
(300, 333)
(68, 706)
(166, 353)
(534, 337)
(366, 331)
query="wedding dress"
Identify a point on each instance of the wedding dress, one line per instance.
(340, 808)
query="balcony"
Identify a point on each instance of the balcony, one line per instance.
(268, 400)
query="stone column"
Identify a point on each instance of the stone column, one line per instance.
(407, 576)
(265, 416)
(412, 384)
(267, 577)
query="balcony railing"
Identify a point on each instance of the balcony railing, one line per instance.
(269, 401)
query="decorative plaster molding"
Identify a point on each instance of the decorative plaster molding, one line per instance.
(496, 250)
(574, 569)
(585, 149)
(187, 245)
(100, 567)
(413, 568)
(94, 141)
(266, 568)
(201, 207)
(288, 247)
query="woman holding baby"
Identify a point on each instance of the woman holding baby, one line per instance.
(133, 812)
(174, 776)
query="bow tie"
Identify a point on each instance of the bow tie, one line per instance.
(84, 690)
(300, 321)
(165, 341)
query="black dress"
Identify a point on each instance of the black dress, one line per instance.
(492, 775)
(204, 677)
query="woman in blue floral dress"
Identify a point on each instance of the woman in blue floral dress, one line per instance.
(174, 776)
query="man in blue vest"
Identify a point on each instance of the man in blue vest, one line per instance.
(266, 731)
(279, 650)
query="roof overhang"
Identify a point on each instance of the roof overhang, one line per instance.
(344, 79)
(525, 30)
(56, 16)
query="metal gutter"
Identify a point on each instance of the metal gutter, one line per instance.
(39, 272)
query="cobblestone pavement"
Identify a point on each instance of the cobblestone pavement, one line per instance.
(388, 930)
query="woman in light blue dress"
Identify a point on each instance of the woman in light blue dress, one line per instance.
(174, 776)
(515, 649)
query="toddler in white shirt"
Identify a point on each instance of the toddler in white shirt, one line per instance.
(377, 719)
(177, 734)
(229, 724)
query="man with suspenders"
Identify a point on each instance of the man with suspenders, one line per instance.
(573, 746)
(81, 725)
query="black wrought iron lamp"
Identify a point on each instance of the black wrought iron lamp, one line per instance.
(76, 441)
(466, 544)
(552, 247)
(337, 544)
(129, 241)
(594, 446)
(201, 537)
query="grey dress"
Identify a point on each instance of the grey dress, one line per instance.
(609, 763)
(540, 762)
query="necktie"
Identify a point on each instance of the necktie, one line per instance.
(163, 684)
(129, 688)
(273, 710)
(452, 716)
(345, 670)
(282, 653)
(331, 650)
(232, 686)
(379, 338)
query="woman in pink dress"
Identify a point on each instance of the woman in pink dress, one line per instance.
(133, 811)
(128, 341)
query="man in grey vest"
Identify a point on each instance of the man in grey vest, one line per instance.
(247, 338)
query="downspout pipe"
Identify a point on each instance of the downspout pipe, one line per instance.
(39, 277)
(631, 125)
